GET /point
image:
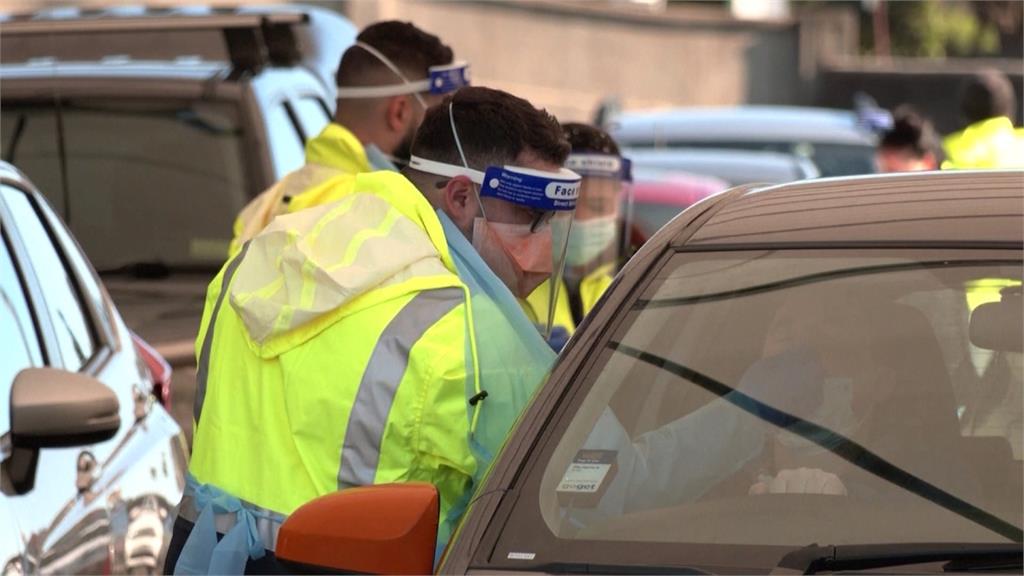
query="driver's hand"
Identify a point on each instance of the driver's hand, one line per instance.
(800, 481)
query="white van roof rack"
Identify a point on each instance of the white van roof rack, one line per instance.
(252, 40)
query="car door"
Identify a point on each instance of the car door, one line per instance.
(20, 342)
(292, 108)
(65, 529)
(106, 508)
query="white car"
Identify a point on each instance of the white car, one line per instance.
(80, 430)
(839, 142)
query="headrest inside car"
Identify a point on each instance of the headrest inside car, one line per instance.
(999, 325)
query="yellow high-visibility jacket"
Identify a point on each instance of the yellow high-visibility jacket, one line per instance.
(334, 351)
(334, 152)
(992, 143)
(591, 288)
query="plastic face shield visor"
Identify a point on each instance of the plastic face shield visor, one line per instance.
(603, 212)
(440, 80)
(551, 195)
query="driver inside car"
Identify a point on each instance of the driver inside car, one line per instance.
(814, 366)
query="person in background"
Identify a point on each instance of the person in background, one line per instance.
(349, 344)
(595, 249)
(386, 81)
(910, 145)
(989, 140)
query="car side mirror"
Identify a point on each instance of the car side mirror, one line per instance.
(382, 529)
(52, 408)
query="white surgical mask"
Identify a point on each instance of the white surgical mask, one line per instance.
(588, 239)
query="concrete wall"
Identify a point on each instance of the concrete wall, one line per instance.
(568, 56)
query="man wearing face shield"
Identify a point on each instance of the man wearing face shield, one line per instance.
(368, 340)
(595, 250)
(506, 212)
(386, 81)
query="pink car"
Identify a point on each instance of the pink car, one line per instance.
(655, 202)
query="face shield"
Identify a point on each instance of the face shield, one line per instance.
(524, 223)
(602, 215)
(440, 80)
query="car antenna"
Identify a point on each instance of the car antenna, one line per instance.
(62, 157)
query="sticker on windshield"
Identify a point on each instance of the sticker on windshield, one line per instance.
(587, 472)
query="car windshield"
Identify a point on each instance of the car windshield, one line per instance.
(148, 180)
(773, 399)
(830, 159)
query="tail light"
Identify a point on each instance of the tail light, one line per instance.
(159, 370)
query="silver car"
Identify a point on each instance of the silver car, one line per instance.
(839, 142)
(92, 463)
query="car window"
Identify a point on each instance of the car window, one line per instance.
(74, 330)
(18, 338)
(737, 380)
(28, 139)
(312, 114)
(86, 277)
(286, 145)
(148, 180)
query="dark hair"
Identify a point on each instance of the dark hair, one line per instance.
(911, 131)
(494, 128)
(412, 50)
(586, 138)
(987, 94)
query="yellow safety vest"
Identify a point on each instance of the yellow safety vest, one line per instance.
(334, 351)
(334, 152)
(591, 288)
(992, 143)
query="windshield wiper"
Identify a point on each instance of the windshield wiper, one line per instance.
(589, 568)
(957, 557)
(844, 447)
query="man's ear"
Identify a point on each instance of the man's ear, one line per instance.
(399, 114)
(460, 203)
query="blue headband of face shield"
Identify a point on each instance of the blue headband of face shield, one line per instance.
(442, 79)
(602, 165)
(536, 189)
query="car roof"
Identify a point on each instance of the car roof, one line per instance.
(7, 170)
(188, 42)
(741, 124)
(956, 207)
(734, 166)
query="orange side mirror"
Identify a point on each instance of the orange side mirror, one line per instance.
(382, 529)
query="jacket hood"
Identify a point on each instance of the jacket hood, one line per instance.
(308, 269)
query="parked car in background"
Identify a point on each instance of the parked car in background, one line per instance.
(863, 332)
(87, 450)
(659, 200)
(735, 167)
(150, 129)
(838, 142)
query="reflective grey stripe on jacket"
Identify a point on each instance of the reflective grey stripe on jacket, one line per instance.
(268, 523)
(203, 370)
(388, 362)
